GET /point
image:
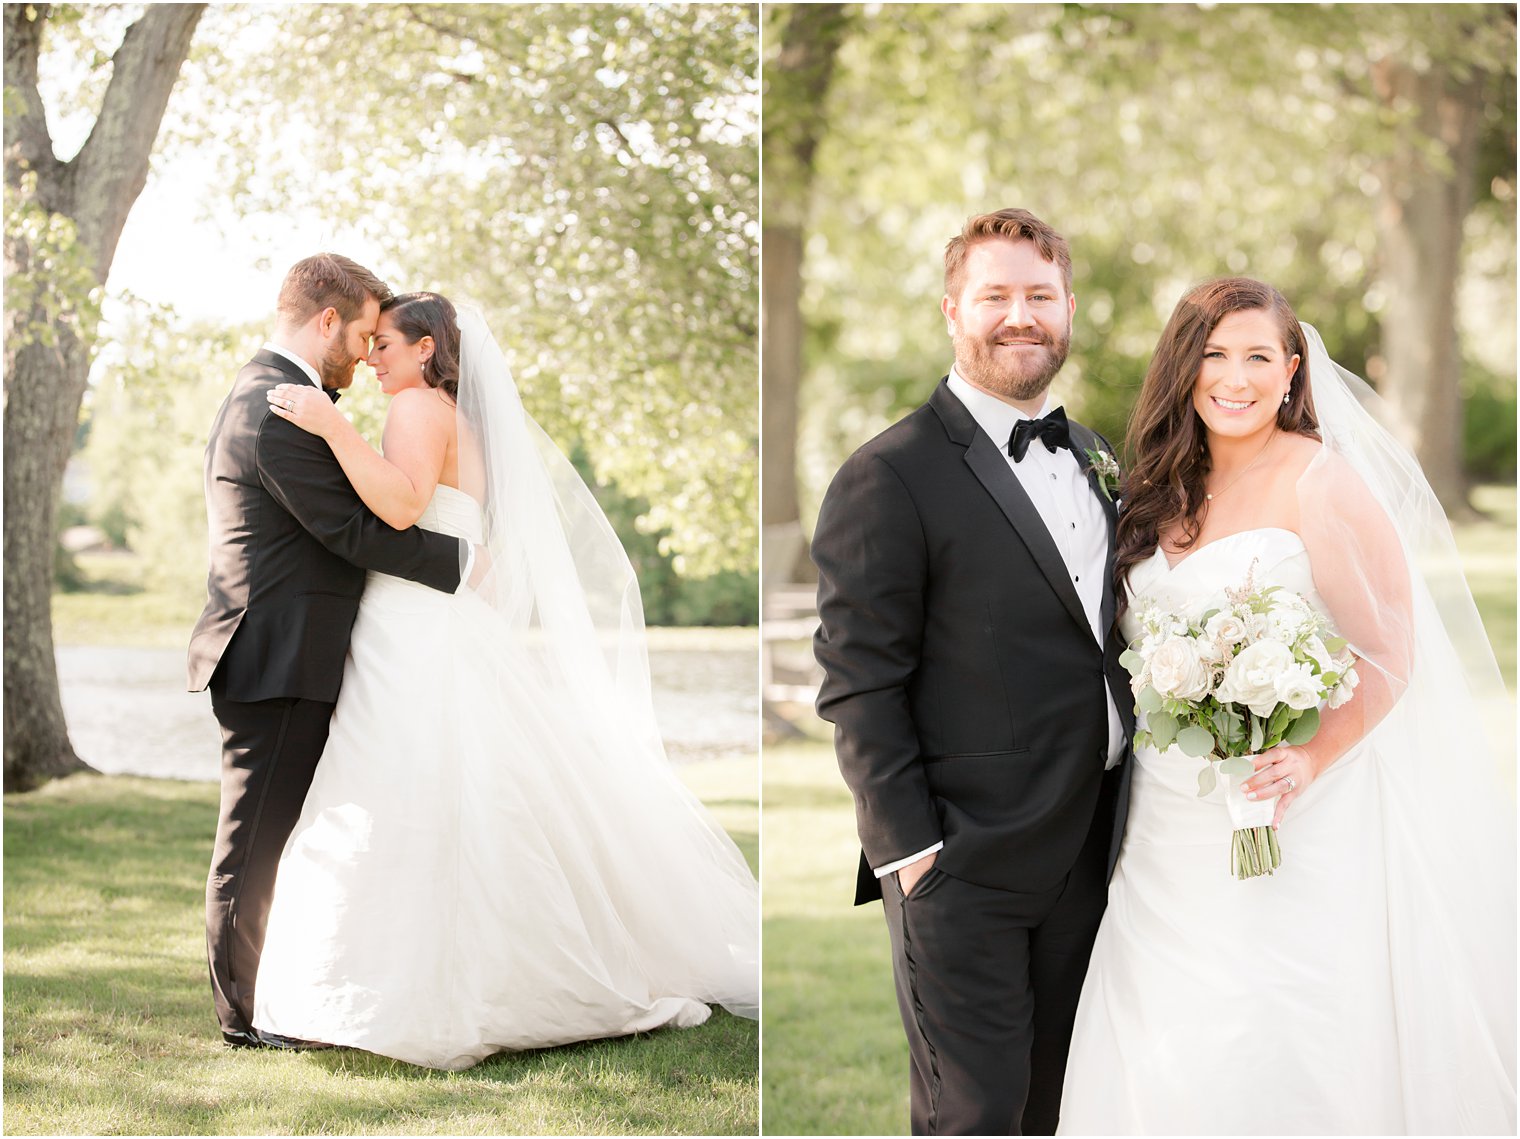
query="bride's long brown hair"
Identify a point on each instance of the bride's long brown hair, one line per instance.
(1166, 441)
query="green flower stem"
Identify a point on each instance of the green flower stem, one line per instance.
(1254, 852)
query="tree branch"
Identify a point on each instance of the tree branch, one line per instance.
(414, 13)
(111, 168)
(611, 125)
(28, 143)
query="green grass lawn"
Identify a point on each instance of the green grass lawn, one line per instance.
(109, 1029)
(835, 1059)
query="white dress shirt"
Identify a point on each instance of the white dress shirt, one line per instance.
(311, 374)
(1060, 491)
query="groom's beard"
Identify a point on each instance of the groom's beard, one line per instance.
(337, 370)
(1017, 374)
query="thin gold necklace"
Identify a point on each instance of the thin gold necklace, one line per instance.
(1248, 466)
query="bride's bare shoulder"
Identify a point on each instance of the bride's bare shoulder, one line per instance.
(1301, 449)
(423, 404)
(1295, 453)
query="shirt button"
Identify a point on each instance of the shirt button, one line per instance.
(1052, 477)
(1073, 525)
(1077, 578)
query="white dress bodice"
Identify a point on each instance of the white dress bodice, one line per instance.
(1198, 982)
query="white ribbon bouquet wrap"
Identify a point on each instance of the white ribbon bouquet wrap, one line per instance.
(1234, 682)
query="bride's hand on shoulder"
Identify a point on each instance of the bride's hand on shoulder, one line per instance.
(308, 407)
(1285, 771)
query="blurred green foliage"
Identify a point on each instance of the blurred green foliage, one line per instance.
(586, 173)
(1169, 144)
(51, 271)
(157, 388)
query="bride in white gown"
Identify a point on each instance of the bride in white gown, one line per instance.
(1368, 986)
(495, 853)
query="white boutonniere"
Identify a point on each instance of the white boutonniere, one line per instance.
(1106, 467)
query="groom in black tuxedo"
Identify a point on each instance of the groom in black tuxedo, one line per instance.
(965, 563)
(290, 544)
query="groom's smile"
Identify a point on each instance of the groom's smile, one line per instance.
(1010, 320)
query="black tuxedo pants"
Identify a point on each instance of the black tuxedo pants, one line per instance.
(270, 750)
(987, 983)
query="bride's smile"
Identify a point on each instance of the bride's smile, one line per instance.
(1243, 378)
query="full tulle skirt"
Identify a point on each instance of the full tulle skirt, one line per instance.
(475, 870)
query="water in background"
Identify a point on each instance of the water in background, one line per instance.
(129, 714)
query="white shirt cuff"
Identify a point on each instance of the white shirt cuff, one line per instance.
(883, 871)
(464, 574)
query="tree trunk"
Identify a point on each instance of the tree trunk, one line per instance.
(1424, 200)
(797, 81)
(781, 353)
(48, 341)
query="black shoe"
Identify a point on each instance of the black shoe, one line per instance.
(288, 1043)
(244, 1038)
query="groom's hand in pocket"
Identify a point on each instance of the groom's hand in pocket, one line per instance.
(909, 875)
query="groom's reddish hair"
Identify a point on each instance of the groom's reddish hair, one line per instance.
(1014, 225)
(328, 280)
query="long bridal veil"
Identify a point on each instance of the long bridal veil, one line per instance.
(1448, 809)
(560, 587)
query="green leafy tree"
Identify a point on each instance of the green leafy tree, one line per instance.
(587, 174)
(1170, 144)
(63, 218)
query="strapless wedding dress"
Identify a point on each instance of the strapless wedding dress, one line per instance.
(467, 877)
(1257, 1007)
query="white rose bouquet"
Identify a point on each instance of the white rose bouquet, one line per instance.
(1237, 681)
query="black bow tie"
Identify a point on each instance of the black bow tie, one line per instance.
(333, 394)
(1052, 430)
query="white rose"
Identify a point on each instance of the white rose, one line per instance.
(1225, 627)
(1342, 691)
(1285, 623)
(1252, 676)
(1287, 599)
(1177, 672)
(1298, 688)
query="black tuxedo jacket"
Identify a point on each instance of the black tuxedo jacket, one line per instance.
(961, 674)
(290, 544)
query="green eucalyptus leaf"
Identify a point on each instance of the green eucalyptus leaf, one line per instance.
(1148, 701)
(1164, 729)
(1257, 735)
(1278, 721)
(1207, 780)
(1238, 766)
(1132, 661)
(1303, 729)
(1196, 741)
